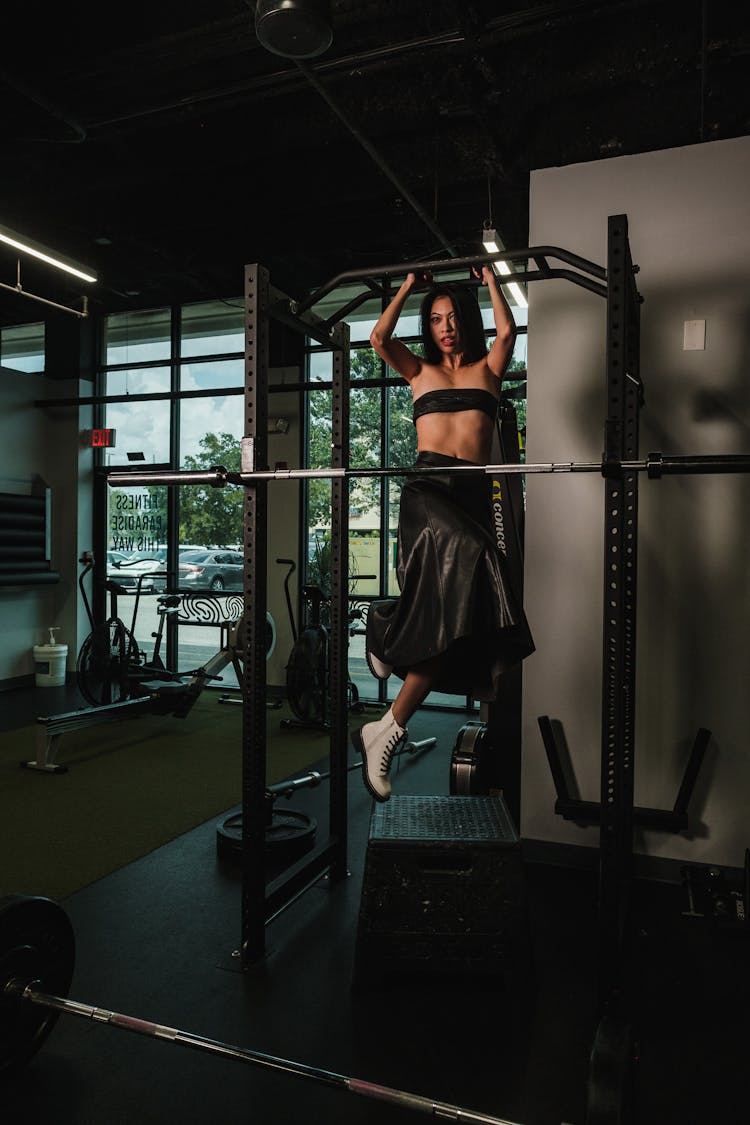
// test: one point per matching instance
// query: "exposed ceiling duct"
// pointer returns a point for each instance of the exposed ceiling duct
(416, 123)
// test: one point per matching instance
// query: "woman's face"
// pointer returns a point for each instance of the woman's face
(443, 325)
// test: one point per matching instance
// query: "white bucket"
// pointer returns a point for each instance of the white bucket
(49, 663)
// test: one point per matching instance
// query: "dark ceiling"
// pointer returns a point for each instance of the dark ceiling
(164, 146)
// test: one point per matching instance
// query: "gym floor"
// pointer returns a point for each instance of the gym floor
(157, 940)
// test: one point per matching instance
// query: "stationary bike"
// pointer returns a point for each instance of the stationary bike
(111, 668)
(307, 671)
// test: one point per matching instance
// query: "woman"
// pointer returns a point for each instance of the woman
(456, 625)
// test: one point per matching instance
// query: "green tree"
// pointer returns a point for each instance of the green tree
(365, 451)
(515, 384)
(212, 516)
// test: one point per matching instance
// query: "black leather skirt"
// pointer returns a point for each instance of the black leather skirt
(456, 597)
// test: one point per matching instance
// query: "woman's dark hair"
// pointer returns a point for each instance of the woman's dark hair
(468, 320)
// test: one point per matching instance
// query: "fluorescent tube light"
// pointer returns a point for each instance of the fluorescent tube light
(493, 245)
(44, 254)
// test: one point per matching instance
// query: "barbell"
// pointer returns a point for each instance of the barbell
(655, 464)
(37, 954)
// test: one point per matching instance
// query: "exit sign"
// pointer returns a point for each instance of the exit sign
(103, 439)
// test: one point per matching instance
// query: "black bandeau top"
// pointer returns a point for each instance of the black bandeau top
(455, 399)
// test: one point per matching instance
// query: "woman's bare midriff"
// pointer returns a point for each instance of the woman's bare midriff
(466, 434)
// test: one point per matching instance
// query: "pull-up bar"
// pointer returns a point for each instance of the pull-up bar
(538, 254)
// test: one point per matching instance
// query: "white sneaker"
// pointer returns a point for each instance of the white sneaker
(377, 743)
(378, 667)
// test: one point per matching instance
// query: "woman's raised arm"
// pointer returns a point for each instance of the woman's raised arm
(395, 354)
(501, 349)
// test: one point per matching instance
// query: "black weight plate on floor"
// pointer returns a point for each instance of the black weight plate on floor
(289, 830)
(37, 943)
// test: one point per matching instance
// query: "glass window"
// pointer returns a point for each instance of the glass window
(401, 451)
(360, 320)
(137, 337)
(136, 382)
(211, 433)
(22, 348)
(212, 328)
(520, 313)
(137, 527)
(365, 421)
(319, 405)
(402, 436)
(142, 426)
(364, 574)
(320, 366)
(206, 375)
(364, 536)
(365, 452)
(211, 427)
(136, 556)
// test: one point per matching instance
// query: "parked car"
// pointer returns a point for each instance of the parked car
(154, 560)
(125, 570)
(210, 570)
(157, 555)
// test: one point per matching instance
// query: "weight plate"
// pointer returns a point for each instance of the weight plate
(288, 829)
(469, 761)
(36, 944)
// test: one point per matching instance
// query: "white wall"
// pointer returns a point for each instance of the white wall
(688, 212)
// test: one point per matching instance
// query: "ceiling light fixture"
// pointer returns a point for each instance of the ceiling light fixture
(493, 244)
(294, 29)
(44, 254)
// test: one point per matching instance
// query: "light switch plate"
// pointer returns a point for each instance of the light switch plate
(694, 338)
